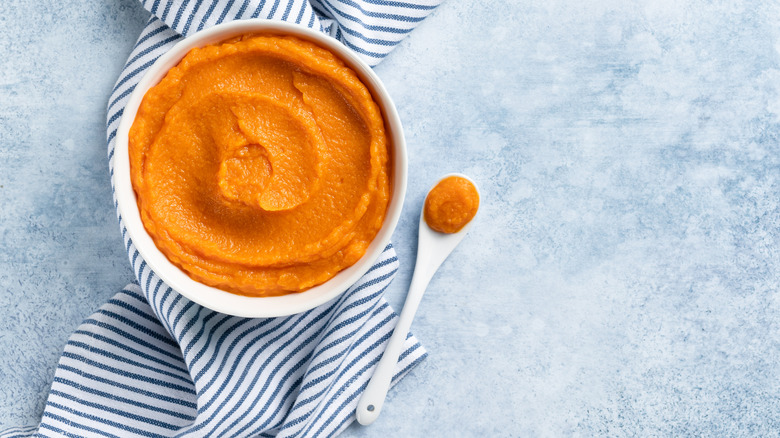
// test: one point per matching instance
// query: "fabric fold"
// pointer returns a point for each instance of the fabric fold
(122, 372)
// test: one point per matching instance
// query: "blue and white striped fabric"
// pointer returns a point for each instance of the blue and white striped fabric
(152, 363)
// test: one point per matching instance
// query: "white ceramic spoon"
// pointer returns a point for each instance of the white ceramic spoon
(433, 248)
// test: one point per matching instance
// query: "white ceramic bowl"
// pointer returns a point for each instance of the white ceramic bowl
(218, 299)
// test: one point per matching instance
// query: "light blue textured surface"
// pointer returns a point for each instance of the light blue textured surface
(623, 274)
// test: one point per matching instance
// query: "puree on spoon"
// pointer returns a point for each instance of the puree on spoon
(260, 165)
(451, 204)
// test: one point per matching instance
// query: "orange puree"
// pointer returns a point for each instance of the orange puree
(451, 204)
(260, 165)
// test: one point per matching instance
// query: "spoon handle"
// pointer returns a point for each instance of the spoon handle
(373, 398)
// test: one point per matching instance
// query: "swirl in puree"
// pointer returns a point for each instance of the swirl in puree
(260, 165)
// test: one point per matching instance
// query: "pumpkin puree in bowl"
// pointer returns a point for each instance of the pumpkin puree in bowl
(260, 165)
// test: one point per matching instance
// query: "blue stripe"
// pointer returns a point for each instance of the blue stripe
(114, 397)
(135, 310)
(411, 350)
(130, 337)
(135, 389)
(280, 404)
(225, 11)
(72, 423)
(270, 377)
(22, 434)
(170, 310)
(191, 17)
(139, 328)
(154, 7)
(108, 354)
(358, 49)
(250, 344)
(365, 336)
(288, 10)
(410, 366)
(279, 409)
(10, 433)
(394, 379)
(195, 318)
(273, 9)
(166, 320)
(117, 99)
(348, 399)
(382, 263)
(316, 396)
(241, 10)
(153, 47)
(215, 350)
(369, 283)
(135, 254)
(51, 428)
(20, 429)
(383, 15)
(202, 324)
(259, 8)
(300, 13)
(104, 421)
(414, 363)
(150, 33)
(127, 77)
(364, 25)
(141, 270)
(362, 37)
(343, 371)
(166, 10)
(161, 307)
(116, 115)
(400, 4)
(138, 297)
(357, 287)
(154, 293)
(208, 14)
(179, 13)
(340, 325)
(352, 363)
(371, 331)
(146, 290)
(124, 373)
(358, 302)
(140, 54)
(237, 360)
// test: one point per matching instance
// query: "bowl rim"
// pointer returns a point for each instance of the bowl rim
(217, 299)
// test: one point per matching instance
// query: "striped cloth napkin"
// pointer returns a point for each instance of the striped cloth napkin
(152, 363)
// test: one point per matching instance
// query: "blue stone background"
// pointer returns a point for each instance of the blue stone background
(622, 277)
